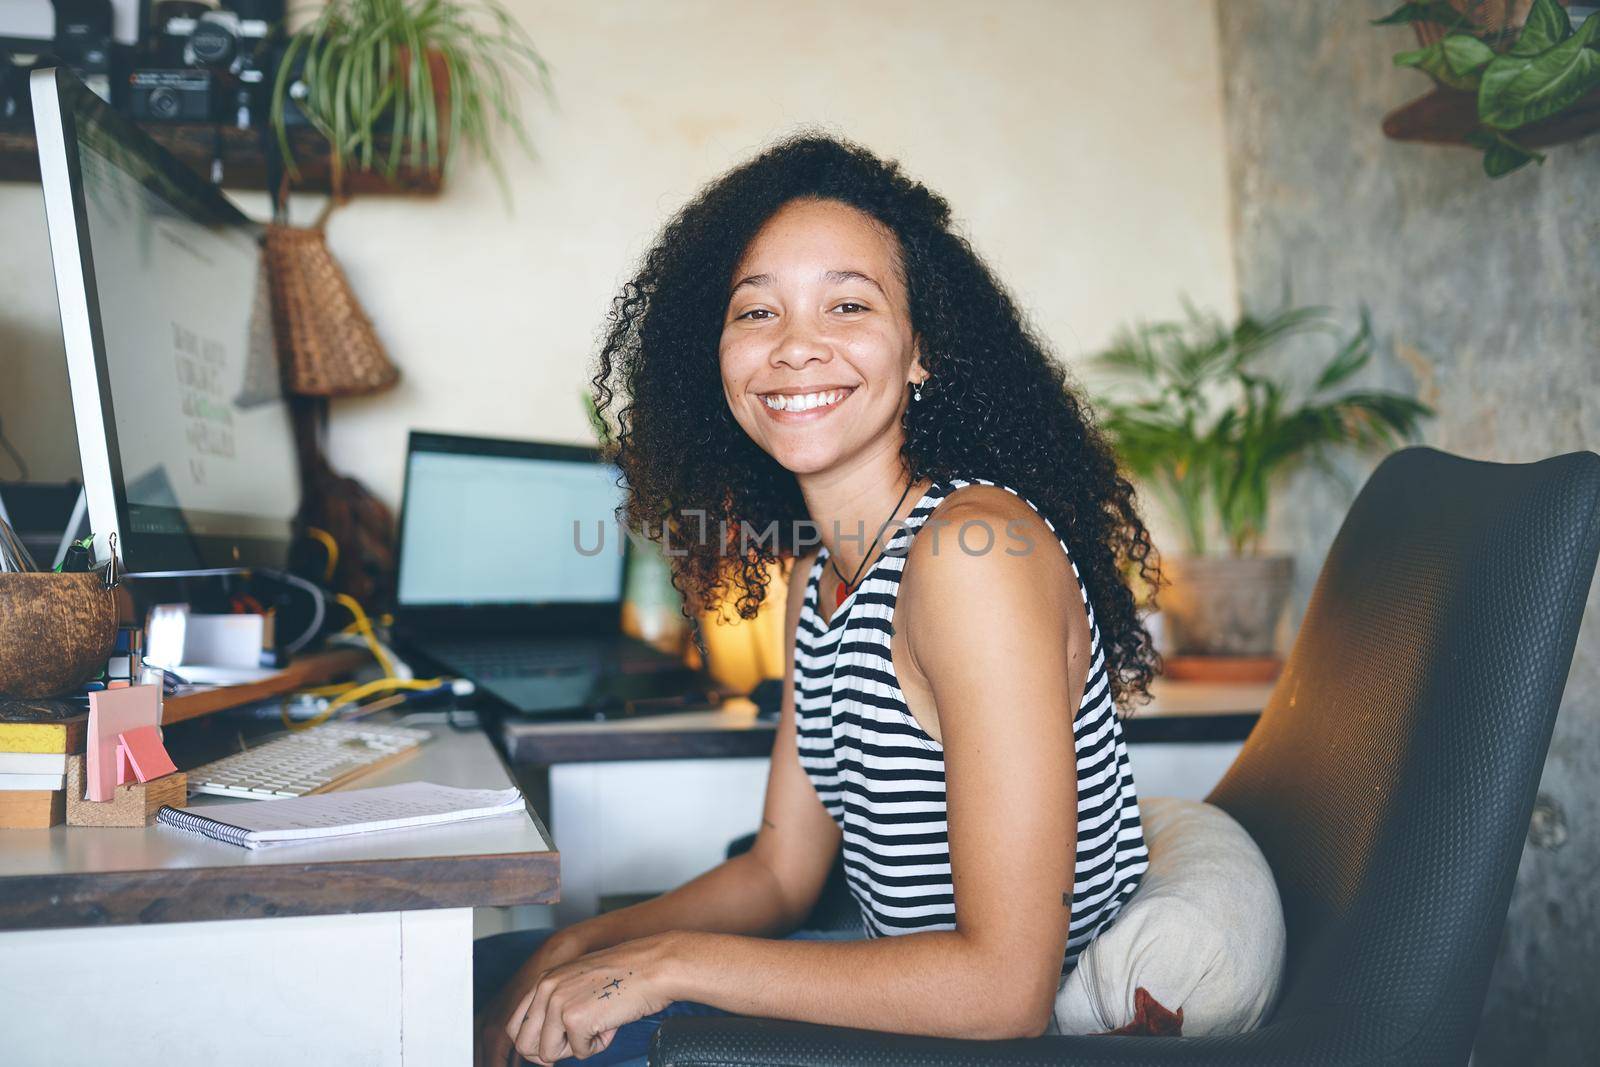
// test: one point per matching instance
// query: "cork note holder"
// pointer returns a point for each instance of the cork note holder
(134, 804)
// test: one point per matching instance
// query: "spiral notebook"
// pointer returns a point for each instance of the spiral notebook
(255, 823)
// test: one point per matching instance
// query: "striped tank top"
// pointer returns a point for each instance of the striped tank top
(881, 776)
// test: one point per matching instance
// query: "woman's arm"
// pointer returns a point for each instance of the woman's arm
(1003, 642)
(767, 890)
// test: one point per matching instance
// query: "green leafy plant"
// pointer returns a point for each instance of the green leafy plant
(1192, 415)
(1543, 70)
(375, 66)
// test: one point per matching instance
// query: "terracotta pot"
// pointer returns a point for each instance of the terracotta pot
(1487, 18)
(347, 177)
(56, 632)
(1225, 605)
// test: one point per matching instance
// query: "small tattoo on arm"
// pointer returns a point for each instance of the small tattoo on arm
(615, 983)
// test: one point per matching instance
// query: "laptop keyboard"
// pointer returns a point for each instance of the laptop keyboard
(521, 658)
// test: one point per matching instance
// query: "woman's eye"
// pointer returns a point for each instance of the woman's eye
(850, 307)
(753, 313)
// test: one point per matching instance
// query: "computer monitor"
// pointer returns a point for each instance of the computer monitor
(184, 437)
(499, 534)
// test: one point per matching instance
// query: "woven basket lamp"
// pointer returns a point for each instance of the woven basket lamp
(326, 341)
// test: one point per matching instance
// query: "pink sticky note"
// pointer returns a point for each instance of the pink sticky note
(112, 712)
(125, 770)
(142, 750)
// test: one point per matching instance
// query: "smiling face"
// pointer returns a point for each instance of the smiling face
(817, 346)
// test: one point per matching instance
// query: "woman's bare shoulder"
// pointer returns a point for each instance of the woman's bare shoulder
(996, 560)
(985, 532)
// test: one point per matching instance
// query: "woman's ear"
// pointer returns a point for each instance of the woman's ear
(917, 373)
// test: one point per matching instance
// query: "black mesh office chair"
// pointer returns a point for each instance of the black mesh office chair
(1389, 781)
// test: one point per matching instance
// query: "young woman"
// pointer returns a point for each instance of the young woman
(808, 357)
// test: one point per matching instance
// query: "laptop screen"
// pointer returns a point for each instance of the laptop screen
(483, 528)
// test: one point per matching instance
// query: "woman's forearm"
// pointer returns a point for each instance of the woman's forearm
(937, 983)
(738, 896)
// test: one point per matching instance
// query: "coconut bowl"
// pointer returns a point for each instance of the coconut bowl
(56, 631)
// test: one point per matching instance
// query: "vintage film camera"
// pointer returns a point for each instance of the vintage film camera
(209, 64)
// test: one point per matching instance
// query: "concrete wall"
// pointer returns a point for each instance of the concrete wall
(1092, 177)
(1486, 298)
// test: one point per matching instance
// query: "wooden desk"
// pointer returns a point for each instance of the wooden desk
(1178, 711)
(311, 669)
(154, 945)
(640, 805)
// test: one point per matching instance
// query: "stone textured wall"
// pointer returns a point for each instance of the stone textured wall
(1486, 300)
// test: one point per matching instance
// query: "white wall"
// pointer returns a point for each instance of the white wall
(1080, 143)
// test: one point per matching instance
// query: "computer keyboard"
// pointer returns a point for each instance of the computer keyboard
(512, 659)
(313, 760)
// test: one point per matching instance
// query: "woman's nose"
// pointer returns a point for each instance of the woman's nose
(800, 345)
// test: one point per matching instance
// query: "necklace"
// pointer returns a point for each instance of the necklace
(846, 587)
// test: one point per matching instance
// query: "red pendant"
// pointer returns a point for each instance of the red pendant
(840, 595)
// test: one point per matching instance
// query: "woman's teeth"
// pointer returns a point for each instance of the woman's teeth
(804, 401)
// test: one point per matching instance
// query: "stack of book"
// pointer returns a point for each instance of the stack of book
(36, 737)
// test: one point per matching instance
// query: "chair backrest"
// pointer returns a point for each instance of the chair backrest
(1392, 775)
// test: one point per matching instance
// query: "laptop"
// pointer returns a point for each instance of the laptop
(511, 569)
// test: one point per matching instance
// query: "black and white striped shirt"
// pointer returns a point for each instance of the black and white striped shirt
(881, 776)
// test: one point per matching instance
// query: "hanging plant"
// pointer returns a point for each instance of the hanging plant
(1519, 76)
(435, 76)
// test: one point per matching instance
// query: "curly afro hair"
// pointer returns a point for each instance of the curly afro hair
(999, 405)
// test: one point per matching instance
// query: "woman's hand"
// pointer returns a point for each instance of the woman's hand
(490, 1028)
(575, 1009)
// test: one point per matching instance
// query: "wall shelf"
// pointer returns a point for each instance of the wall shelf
(244, 163)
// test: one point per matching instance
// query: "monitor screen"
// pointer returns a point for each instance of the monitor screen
(179, 368)
(481, 529)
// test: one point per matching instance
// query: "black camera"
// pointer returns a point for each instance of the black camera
(209, 64)
(176, 95)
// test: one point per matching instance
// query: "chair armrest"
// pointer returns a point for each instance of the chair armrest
(742, 1042)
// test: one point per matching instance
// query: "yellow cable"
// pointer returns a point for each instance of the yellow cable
(326, 690)
(364, 628)
(350, 692)
(364, 690)
(351, 627)
(329, 545)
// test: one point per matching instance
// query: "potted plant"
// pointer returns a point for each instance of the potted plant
(429, 76)
(1511, 75)
(1195, 416)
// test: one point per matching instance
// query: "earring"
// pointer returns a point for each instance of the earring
(916, 391)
